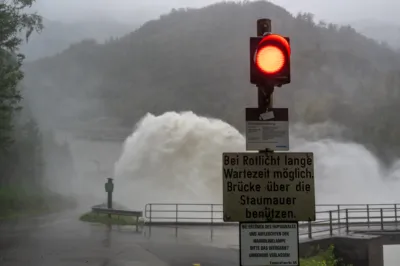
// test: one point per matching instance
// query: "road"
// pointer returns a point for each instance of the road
(63, 240)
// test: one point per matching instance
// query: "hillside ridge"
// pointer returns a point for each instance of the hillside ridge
(197, 59)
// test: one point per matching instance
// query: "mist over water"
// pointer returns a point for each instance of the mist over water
(176, 158)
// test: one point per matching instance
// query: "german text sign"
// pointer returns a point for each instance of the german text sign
(268, 187)
(267, 130)
(267, 244)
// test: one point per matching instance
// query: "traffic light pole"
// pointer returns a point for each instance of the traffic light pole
(265, 100)
(269, 68)
(265, 91)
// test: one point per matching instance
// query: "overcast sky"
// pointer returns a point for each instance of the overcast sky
(126, 10)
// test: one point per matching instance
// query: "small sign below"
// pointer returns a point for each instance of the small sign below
(267, 130)
(267, 244)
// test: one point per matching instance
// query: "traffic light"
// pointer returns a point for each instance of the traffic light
(270, 60)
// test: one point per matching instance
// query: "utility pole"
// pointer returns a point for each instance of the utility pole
(265, 91)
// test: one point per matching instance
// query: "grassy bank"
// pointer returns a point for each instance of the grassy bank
(101, 218)
(24, 201)
(323, 258)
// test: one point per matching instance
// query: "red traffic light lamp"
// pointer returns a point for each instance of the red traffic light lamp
(270, 60)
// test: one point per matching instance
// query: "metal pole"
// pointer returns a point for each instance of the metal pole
(109, 202)
(176, 213)
(368, 214)
(347, 221)
(150, 212)
(150, 219)
(309, 230)
(263, 26)
(381, 219)
(212, 214)
(395, 213)
(265, 91)
(109, 195)
(330, 223)
(265, 99)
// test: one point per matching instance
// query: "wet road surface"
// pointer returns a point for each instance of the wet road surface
(62, 240)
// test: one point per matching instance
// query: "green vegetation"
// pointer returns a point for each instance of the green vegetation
(12, 22)
(19, 202)
(16, 202)
(92, 217)
(20, 143)
(323, 258)
(24, 147)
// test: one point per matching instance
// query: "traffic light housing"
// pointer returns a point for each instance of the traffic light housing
(270, 60)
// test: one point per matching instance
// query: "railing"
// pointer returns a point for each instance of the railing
(331, 219)
(102, 208)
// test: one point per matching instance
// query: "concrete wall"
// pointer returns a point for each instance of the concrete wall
(358, 250)
(387, 237)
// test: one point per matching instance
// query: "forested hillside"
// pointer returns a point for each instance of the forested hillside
(57, 36)
(198, 60)
(378, 30)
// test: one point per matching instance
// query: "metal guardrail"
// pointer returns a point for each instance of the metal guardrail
(102, 209)
(331, 219)
(117, 212)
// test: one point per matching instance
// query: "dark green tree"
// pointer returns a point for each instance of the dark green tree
(13, 22)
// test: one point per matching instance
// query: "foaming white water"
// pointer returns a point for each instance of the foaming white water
(349, 173)
(176, 157)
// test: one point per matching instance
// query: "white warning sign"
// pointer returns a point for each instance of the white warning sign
(265, 244)
(274, 187)
(267, 130)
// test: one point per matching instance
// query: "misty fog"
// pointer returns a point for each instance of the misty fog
(68, 22)
(130, 10)
(77, 101)
(151, 93)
